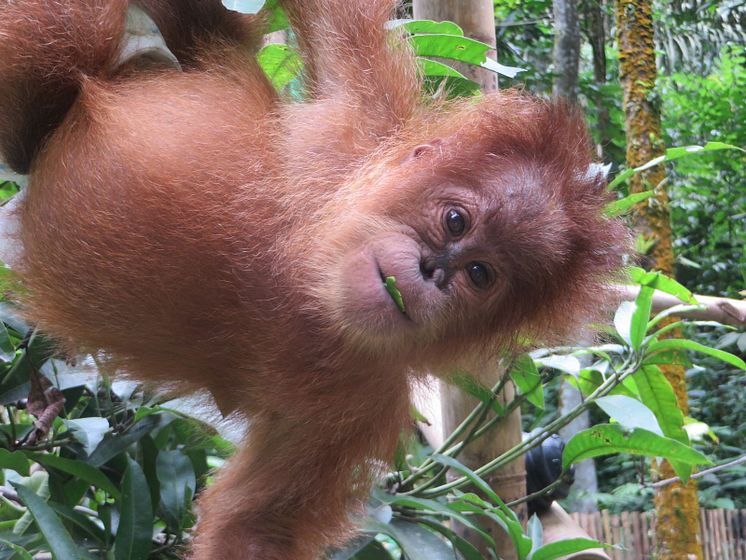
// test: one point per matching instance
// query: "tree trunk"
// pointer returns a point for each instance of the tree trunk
(676, 505)
(476, 18)
(595, 30)
(566, 49)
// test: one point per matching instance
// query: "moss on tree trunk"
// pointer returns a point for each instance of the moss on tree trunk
(677, 506)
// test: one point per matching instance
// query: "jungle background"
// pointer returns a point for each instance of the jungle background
(94, 468)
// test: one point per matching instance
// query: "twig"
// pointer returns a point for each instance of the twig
(700, 474)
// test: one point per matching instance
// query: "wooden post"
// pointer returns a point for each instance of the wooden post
(477, 19)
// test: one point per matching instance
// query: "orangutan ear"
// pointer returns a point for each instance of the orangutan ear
(423, 149)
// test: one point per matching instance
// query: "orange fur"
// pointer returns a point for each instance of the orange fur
(204, 235)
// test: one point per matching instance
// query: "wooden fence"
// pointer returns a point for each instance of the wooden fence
(723, 533)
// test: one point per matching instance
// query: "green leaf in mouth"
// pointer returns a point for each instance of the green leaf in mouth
(395, 293)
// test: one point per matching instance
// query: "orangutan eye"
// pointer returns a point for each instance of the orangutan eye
(479, 274)
(455, 222)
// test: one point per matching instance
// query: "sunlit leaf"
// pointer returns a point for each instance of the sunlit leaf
(608, 439)
(629, 412)
(683, 344)
(528, 380)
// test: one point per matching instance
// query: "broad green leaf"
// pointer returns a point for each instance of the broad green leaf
(684, 344)
(674, 310)
(83, 522)
(423, 504)
(512, 525)
(567, 364)
(88, 431)
(586, 382)
(661, 282)
(6, 344)
(134, 536)
(79, 469)
(58, 539)
(467, 550)
(630, 413)
(352, 548)
(565, 547)
(623, 205)
(462, 49)
(435, 68)
(15, 552)
(672, 154)
(426, 26)
(419, 543)
(112, 446)
(471, 386)
(623, 320)
(244, 6)
(608, 439)
(658, 396)
(177, 483)
(15, 461)
(528, 380)
(641, 316)
(280, 63)
(535, 532)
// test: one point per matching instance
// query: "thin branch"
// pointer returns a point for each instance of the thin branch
(700, 474)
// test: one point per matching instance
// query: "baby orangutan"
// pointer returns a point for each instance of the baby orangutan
(203, 234)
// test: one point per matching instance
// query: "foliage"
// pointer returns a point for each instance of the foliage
(623, 381)
(111, 471)
(112, 475)
(708, 199)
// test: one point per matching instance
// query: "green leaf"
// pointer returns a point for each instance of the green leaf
(280, 63)
(88, 431)
(535, 532)
(15, 552)
(56, 536)
(608, 439)
(672, 154)
(641, 316)
(462, 49)
(471, 386)
(630, 413)
(508, 517)
(419, 543)
(177, 483)
(526, 377)
(467, 550)
(79, 469)
(395, 293)
(113, 445)
(83, 522)
(244, 6)
(15, 461)
(426, 26)
(658, 396)
(134, 536)
(435, 68)
(426, 505)
(683, 344)
(560, 549)
(623, 320)
(661, 282)
(623, 205)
